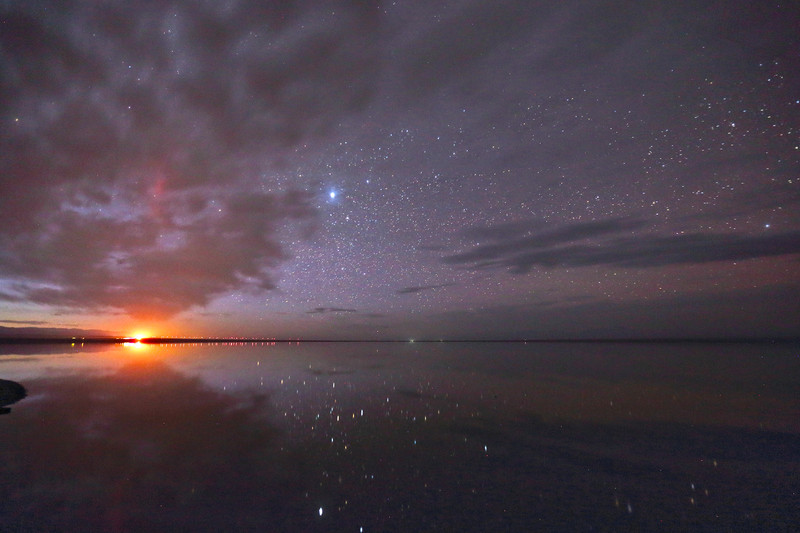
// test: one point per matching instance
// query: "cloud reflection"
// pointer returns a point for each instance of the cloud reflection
(143, 446)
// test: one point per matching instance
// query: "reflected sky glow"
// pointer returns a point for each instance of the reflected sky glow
(136, 347)
(468, 437)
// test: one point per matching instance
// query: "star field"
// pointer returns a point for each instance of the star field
(401, 169)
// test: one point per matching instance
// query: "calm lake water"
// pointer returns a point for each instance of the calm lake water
(402, 437)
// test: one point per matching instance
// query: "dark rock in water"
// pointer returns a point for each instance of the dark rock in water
(10, 392)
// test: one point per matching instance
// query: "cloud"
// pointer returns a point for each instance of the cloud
(414, 290)
(137, 141)
(48, 332)
(176, 254)
(612, 243)
(324, 310)
(25, 322)
(458, 44)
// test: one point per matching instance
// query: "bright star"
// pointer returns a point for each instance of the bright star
(332, 195)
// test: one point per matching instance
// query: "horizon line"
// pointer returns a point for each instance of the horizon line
(255, 340)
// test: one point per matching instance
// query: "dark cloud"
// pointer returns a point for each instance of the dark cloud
(324, 310)
(48, 332)
(170, 257)
(458, 44)
(414, 290)
(26, 322)
(135, 139)
(199, 79)
(613, 245)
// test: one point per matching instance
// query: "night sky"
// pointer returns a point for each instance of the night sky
(393, 170)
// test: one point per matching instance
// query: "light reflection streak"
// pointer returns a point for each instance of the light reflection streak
(136, 346)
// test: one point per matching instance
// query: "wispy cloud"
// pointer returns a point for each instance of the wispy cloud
(25, 322)
(324, 310)
(421, 288)
(610, 242)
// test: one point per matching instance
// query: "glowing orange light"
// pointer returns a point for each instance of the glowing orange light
(139, 335)
(136, 345)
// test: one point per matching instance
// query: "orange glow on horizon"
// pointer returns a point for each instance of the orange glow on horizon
(137, 346)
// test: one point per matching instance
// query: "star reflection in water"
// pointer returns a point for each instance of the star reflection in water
(388, 437)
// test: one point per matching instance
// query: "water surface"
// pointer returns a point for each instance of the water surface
(402, 437)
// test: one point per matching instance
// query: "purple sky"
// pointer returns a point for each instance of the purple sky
(423, 169)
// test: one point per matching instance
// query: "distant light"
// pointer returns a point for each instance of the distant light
(332, 195)
(320, 509)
